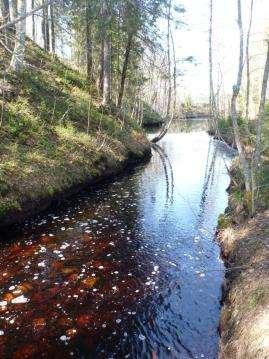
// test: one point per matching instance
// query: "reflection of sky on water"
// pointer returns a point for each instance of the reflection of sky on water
(184, 229)
(127, 271)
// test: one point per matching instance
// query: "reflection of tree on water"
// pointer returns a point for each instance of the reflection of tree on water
(213, 165)
(168, 170)
(209, 171)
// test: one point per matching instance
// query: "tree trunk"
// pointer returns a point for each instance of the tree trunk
(5, 11)
(18, 53)
(52, 29)
(45, 27)
(174, 75)
(33, 22)
(259, 119)
(248, 61)
(89, 60)
(212, 101)
(168, 109)
(256, 160)
(169, 118)
(124, 68)
(106, 55)
(236, 89)
(13, 10)
(100, 77)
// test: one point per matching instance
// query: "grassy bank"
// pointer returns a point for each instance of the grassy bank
(244, 241)
(245, 315)
(54, 136)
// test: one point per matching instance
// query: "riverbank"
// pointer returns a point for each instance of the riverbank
(55, 138)
(244, 324)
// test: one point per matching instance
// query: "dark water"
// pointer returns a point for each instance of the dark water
(131, 271)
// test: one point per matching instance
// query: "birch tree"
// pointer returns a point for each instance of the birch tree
(5, 12)
(18, 53)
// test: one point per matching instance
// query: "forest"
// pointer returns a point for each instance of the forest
(124, 190)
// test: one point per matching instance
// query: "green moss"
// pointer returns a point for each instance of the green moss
(224, 221)
(256, 297)
(9, 206)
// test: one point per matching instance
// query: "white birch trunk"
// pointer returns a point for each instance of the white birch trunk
(18, 53)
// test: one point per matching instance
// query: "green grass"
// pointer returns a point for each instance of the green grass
(54, 133)
(224, 221)
(256, 297)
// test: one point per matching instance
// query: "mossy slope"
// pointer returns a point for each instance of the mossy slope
(54, 136)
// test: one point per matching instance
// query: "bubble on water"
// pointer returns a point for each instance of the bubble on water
(141, 337)
(20, 300)
(118, 321)
(64, 338)
(41, 264)
(2, 332)
(3, 303)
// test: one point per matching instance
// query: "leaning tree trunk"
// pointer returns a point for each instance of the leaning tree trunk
(18, 53)
(236, 89)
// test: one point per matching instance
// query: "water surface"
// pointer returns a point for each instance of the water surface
(130, 270)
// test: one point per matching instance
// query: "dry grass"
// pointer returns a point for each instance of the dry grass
(245, 314)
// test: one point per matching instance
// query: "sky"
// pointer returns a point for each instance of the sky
(192, 40)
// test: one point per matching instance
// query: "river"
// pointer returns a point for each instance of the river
(128, 270)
